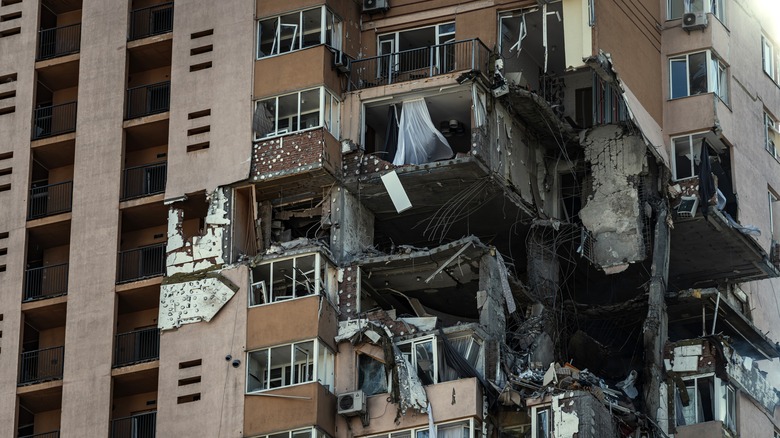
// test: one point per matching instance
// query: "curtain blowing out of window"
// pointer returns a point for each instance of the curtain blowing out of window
(419, 141)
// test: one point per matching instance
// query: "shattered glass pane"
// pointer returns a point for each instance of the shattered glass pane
(697, 69)
(425, 362)
(257, 369)
(267, 37)
(372, 378)
(305, 276)
(304, 362)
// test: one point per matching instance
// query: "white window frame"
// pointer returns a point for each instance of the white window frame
(296, 433)
(534, 420)
(769, 58)
(771, 134)
(322, 285)
(412, 356)
(720, 398)
(422, 432)
(772, 199)
(325, 12)
(333, 124)
(441, 37)
(717, 75)
(691, 142)
(323, 373)
(715, 7)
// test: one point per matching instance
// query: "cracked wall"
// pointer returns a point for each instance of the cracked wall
(579, 414)
(189, 254)
(612, 212)
(193, 301)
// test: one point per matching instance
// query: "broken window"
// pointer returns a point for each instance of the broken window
(299, 111)
(423, 354)
(686, 151)
(298, 30)
(291, 364)
(290, 278)
(709, 399)
(470, 348)
(372, 378)
(771, 134)
(309, 432)
(540, 422)
(698, 73)
(458, 429)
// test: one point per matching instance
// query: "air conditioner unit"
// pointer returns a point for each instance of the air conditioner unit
(352, 403)
(341, 61)
(694, 21)
(688, 206)
(371, 6)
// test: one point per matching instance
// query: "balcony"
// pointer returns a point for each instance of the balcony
(50, 199)
(137, 264)
(54, 120)
(136, 347)
(59, 41)
(145, 180)
(153, 20)
(41, 365)
(146, 100)
(135, 426)
(54, 434)
(46, 282)
(419, 63)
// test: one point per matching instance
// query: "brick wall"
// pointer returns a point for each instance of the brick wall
(289, 154)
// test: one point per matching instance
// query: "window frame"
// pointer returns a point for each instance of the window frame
(772, 198)
(324, 93)
(769, 58)
(771, 124)
(320, 348)
(422, 432)
(717, 75)
(535, 421)
(314, 433)
(335, 34)
(699, 136)
(322, 286)
(719, 399)
(412, 357)
(719, 11)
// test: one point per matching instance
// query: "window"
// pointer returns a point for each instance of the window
(372, 377)
(768, 57)
(298, 30)
(697, 73)
(297, 111)
(291, 364)
(291, 278)
(541, 422)
(423, 354)
(408, 50)
(676, 8)
(686, 151)
(309, 432)
(709, 399)
(468, 346)
(774, 214)
(459, 429)
(771, 134)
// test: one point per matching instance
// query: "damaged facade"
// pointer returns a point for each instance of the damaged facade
(541, 219)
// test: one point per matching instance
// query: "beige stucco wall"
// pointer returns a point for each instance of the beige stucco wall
(86, 395)
(271, 324)
(18, 56)
(219, 412)
(295, 71)
(225, 88)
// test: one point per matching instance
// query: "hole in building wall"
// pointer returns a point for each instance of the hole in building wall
(195, 209)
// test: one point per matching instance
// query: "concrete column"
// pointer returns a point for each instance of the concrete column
(86, 398)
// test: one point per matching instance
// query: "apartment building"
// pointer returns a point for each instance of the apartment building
(387, 218)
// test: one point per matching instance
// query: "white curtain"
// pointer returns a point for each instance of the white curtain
(418, 139)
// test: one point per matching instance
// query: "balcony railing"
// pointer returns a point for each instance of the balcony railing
(46, 282)
(153, 20)
(41, 365)
(54, 120)
(136, 347)
(54, 434)
(145, 180)
(135, 426)
(50, 199)
(148, 99)
(59, 41)
(140, 263)
(419, 63)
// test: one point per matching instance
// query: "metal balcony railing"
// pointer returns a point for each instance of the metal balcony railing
(46, 282)
(50, 199)
(145, 180)
(140, 263)
(153, 20)
(136, 347)
(59, 41)
(41, 365)
(420, 63)
(54, 434)
(54, 120)
(148, 99)
(135, 426)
